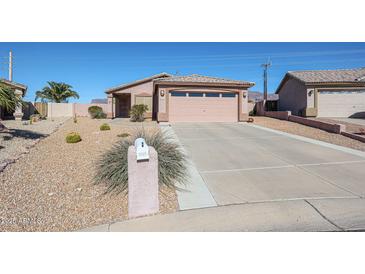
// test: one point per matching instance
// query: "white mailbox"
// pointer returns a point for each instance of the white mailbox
(141, 149)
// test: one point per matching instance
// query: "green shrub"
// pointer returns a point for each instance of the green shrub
(112, 167)
(96, 112)
(73, 137)
(124, 135)
(137, 113)
(104, 127)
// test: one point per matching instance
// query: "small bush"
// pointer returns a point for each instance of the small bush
(104, 127)
(35, 118)
(124, 135)
(96, 112)
(73, 137)
(112, 167)
(137, 113)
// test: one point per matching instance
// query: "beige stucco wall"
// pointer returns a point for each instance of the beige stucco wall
(293, 97)
(145, 89)
(60, 110)
(83, 109)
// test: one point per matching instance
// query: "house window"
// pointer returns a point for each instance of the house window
(212, 94)
(231, 95)
(145, 100)
(196, 94)
(178, 94)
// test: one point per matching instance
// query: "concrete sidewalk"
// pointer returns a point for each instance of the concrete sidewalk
(330, 214)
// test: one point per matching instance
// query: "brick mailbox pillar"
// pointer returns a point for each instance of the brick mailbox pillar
(142, 184)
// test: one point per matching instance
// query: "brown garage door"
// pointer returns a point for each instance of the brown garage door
(203, 107)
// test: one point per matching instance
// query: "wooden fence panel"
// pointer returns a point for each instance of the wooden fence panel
(42, 108)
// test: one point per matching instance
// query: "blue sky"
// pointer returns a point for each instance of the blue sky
(93, 67)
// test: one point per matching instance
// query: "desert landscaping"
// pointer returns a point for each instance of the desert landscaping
(50, 187)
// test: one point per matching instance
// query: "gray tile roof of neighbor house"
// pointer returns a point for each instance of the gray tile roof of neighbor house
(127, 85)
(99, 101)
(196, 78)
(354, 76)
(328, 76)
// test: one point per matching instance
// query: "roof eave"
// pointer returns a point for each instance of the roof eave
(138, 82)
(182, 83)
(22, 87)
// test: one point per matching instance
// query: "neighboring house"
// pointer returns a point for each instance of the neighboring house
(99, 101)
(323, 93)
(192, 98)
(257, 96)
(19, 90)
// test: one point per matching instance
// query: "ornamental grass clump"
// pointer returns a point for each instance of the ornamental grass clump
(137, 113)
(112, 167)
(73, 137)
(104, 127)
(96, 112)
(124, 135)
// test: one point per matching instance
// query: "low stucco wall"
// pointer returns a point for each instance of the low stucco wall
(282, 115)
(71, 109)
(357, 137)
(82, 109)
(335, 128)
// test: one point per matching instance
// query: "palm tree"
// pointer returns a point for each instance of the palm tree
(56, 93)
(8, 99)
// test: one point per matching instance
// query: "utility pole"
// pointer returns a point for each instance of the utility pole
(10, 66)
(266, 67)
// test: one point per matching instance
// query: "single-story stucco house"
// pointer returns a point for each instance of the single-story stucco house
(19, 90)
(323, 93)
(192, 98)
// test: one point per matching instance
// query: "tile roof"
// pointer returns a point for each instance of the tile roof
(329, 76)
(196, 78)
(13, 84)
(160, 75)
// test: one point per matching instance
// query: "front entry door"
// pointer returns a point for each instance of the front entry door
(124, 105)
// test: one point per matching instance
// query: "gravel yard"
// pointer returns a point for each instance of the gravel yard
(51, 188)
(309, 132)
(19, 137)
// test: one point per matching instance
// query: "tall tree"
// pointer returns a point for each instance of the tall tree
(56, 92)
(8, 100)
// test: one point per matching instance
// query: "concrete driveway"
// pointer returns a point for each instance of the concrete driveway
(249, 178)
(356, 121)
(241, 163)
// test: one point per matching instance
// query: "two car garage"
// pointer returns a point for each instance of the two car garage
(341, 103)
(203, 107)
